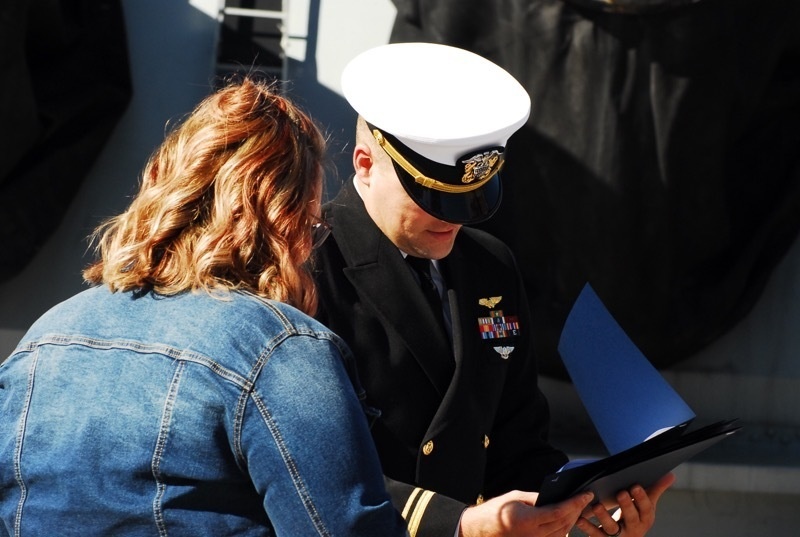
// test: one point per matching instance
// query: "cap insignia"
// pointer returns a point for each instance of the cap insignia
(481, 166)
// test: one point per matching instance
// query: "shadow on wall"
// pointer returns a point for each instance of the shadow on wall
(249, 45)
(170, 63)
(69, 65)
(170, 58)
(331, 110)
(336, 118)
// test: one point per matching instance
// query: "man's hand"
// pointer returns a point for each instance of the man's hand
(514, 514)
(638, 508)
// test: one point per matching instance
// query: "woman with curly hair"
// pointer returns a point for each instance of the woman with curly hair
(188, 392)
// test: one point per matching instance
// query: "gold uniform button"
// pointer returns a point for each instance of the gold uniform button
(427, 449)
(485, 441)
(479, 500)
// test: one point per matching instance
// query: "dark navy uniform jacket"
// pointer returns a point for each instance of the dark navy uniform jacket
(458, 424)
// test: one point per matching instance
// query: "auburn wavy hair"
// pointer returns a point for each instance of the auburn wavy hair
(226, 202)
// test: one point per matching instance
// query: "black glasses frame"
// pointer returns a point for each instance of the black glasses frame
(319, 233)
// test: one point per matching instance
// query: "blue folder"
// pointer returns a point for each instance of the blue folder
(627, 399)
(641, 419)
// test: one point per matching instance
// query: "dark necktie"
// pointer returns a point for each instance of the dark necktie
(423, 269)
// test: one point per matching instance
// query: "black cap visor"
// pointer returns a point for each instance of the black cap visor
(470, 207)
(444, 191)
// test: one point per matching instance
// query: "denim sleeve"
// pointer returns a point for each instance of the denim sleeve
(305, 442)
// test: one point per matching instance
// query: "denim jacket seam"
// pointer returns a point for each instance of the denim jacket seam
(20, 439)
(247, 391)
(143, 348)
(158, 452)
(294, 473)
(288, 326)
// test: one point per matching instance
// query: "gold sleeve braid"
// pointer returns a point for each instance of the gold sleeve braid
(415, 509)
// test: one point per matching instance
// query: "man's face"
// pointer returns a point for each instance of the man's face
(409, 227)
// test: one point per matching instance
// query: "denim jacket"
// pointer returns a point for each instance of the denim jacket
(125, 414)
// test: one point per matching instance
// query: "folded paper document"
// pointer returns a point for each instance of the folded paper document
(643, 422)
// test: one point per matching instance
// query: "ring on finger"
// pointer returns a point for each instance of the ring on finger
(619, 530)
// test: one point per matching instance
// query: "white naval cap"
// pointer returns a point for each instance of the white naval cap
(444, 115)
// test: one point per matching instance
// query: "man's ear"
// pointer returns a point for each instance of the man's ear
(363, 163)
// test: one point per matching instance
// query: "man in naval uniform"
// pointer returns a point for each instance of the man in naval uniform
(436, 313)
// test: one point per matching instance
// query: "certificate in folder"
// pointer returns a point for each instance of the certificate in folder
(643, 422)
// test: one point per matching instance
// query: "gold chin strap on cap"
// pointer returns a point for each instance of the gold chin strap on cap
(478, 170)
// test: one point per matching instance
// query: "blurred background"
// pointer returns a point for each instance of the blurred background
(660, 164)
